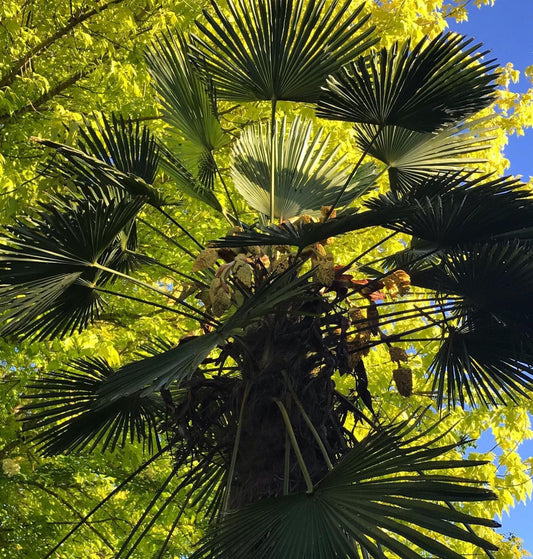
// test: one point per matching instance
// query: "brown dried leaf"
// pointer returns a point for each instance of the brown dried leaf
(325, 271)
(205, 259)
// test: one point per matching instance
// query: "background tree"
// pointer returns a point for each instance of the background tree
(84, 341)
(101, 44)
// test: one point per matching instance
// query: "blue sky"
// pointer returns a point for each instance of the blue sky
(506, 29)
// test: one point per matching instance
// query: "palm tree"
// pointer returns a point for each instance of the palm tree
(280, 459)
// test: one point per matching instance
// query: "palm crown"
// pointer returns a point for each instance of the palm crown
(256, 397)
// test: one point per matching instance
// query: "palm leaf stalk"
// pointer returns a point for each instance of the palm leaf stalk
(266, 406)
(273, 126)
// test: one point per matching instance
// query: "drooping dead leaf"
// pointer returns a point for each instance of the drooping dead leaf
(403, 378)
(398, 354)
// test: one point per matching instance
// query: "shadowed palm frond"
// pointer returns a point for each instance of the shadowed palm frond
(52, 307)
(488, 363)
(152, 373)
(487, 354)
(66, 409)
(101, 180)
(127, 146)
(186, 182)
(305, 180)
(450, 210)
(413, 157)
(423, 88)
(378, 497)
(48, 265)
(303, 233)
(495, 278)
(281, 49)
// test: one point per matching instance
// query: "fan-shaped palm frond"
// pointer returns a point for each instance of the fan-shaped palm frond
(412, 157)
(51, 307)
(90, 173)
(495, 278)
(304, 179)
(281, 49)
(483, 362)
(68, 400)
(152, 373)
(189, 104)
(127, 146)
(186, 182)
(49, 265)
(424, 88)
(449, 210)
(379, 496)
(487, 353)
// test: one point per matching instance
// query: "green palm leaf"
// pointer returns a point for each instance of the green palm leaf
(412, 157)
(487, 356)
(189, 104)
(280, 49)
(190, 107)
(67, 399)
(422, 89)
(305, 179)
(51, 307)
(152, 373)
(488, 363)
(187, 182)
(449, 210)
(495, 278)
(128, 147)
(379, 496)
(47, 265)
(99, 176)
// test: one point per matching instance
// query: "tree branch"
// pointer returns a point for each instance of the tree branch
(45, 97)
(67, 504)
(7, 79)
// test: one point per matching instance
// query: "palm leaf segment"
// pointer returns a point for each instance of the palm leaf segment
(302, 233)
(122, 144)
(279, 50)
(49, 264)
(70, 397)
(190, 107)
(451, 210)
(415, 157)
(103, 172)
(372, 500)
(188, 103)
(305, 179)
(422, 89)
(489, 356)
